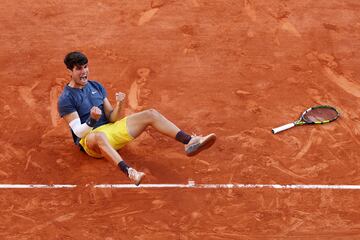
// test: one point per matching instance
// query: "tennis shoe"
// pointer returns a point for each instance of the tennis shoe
(199, 143)
(135, 176)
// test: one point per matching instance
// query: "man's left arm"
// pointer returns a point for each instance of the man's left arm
(114, 114)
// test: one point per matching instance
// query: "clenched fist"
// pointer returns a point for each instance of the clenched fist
(120, 96)
(95, 113)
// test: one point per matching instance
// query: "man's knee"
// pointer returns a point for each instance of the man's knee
(152, 114)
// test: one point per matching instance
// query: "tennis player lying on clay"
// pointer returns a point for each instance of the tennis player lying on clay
(99, 129)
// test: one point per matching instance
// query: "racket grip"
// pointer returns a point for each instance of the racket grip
(282, 128)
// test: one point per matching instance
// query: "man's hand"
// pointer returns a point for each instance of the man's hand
(95, 113)
(120, 96)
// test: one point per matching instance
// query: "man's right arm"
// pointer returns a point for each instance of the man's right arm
(81, 130)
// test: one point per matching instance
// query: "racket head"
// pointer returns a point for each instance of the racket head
(319, 115)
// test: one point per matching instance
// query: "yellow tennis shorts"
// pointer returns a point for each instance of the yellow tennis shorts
(116, 133)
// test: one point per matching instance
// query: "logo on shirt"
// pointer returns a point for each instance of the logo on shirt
(93, 92)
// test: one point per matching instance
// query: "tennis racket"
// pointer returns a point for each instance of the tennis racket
(315, 115)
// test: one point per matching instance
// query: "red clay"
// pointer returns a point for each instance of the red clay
(236, 68)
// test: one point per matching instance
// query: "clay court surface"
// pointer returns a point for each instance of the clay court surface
(235, 68)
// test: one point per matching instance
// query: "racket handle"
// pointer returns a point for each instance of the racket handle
(282, 128)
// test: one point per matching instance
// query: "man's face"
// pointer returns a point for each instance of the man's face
(79, 75)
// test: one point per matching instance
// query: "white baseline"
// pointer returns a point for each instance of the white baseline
(191, 184)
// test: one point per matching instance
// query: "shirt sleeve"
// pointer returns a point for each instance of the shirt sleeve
(101, 89)
(65, 106)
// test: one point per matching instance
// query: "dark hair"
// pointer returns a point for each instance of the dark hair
(75, 59)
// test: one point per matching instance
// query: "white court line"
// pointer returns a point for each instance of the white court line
(230, 186)
(191, 184)
(37, 186)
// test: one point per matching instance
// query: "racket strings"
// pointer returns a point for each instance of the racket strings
(320, 115)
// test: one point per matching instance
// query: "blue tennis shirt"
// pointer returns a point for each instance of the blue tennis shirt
(81, 101)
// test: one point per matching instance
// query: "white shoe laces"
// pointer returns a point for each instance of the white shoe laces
(194, 137)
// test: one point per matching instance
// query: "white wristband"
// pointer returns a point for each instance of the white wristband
(80, 130)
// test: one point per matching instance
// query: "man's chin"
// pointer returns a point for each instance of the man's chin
(83, 82)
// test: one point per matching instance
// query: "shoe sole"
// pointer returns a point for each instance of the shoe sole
(204, 145)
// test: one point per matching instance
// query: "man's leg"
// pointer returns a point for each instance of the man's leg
(98, 142)
(136, 124)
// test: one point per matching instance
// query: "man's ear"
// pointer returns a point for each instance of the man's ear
(69, 72)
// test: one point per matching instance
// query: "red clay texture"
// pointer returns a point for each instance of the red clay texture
(235, 68)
